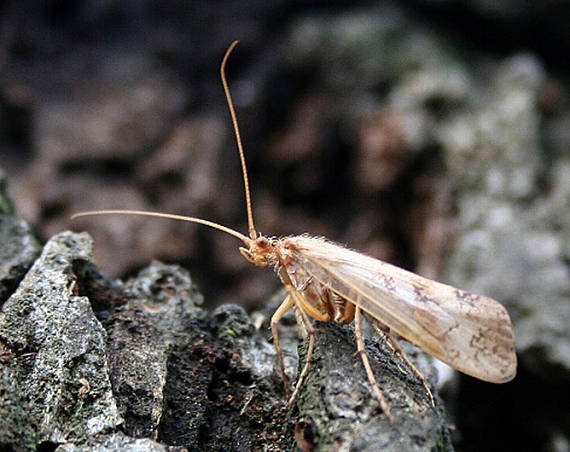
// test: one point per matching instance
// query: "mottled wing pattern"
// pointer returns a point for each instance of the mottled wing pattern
(471, 333)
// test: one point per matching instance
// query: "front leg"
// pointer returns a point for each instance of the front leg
(292, 300)
(283, 308)
(296, 299)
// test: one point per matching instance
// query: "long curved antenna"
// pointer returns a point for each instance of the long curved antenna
(211, 224)
(250, 223)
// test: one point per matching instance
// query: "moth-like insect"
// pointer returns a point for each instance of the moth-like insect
(330, 283)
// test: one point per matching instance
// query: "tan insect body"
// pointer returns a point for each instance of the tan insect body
(328, 282)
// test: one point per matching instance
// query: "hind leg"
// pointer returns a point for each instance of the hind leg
(394, 344)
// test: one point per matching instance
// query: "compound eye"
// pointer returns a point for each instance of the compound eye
(262, 242)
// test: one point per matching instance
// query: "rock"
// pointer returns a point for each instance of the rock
(101, 365)
(160, 299)
(18, 250)
(18, 246)
(54, 355)
(6, 207)
(490, 143)
(119, 442)
(338, 410)
(513, 232)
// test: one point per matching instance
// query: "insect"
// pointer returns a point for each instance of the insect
(330, 283)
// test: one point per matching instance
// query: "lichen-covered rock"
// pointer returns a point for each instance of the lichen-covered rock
(18, 246)
(54, 355)
(119, 442)
(338, 410)
(161, 299)
(6, 207)
(514, 233)
(99, 365)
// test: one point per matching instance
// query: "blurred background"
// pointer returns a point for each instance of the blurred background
(431, 134)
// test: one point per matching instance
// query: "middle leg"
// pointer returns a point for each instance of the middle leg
(361, 350)
(308, 333)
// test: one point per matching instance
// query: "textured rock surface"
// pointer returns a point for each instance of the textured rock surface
(514, 240)
(499, 215)
(89, 364)
(18, 246)
(54, 355)
(99, 365)
(339, 409)
(120, 442)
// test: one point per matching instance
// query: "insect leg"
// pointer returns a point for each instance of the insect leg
(301, 323)
(309, 332)
(395, 344)
(306, 327)
(360, 346)
(287, 304)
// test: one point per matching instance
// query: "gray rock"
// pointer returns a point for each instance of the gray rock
(498, 129)
(338, 410)
(6, 207)
(18, 246)
(18, 250)
(514, 234)
(119, 442)
(83, 356)
(54, 355)
(161, 301)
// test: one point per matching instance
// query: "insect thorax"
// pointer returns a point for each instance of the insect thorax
(317, 300)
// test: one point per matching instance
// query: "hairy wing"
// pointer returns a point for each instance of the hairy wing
(471, 333)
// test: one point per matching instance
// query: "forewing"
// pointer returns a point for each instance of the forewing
(471, 333)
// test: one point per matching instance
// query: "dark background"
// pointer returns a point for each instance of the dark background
(119, 105)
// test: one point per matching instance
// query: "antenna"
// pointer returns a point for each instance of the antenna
(252, 232)
(249, 209)
(169, 216)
